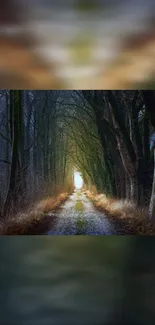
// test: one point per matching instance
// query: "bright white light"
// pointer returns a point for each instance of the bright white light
(78, 181)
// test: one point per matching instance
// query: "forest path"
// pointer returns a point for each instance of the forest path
(78, 216)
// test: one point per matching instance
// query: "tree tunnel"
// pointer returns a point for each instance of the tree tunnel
(53, 141)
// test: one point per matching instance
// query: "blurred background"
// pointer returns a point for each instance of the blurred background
(84, 280)
(74, 44)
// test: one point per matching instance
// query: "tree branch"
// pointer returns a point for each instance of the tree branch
(5, 138)
(5, 161)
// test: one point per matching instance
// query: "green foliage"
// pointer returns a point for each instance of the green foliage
(79, 206)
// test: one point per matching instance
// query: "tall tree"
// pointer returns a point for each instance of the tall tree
(16, 131)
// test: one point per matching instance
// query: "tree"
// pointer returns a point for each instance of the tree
(16, 136)
(149, 98)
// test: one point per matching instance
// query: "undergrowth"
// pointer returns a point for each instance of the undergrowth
(132, 218)
(36, 220)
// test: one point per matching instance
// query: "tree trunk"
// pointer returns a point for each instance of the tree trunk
(13, 188)
(149, 98)
(127, 162)
(107, 161)
(127, 186)
(134, 189)
(152, 201)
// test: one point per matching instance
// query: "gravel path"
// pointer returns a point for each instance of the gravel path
(78, 216)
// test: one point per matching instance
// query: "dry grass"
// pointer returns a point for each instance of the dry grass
(51, 203)
(35, 221)
(127, 215)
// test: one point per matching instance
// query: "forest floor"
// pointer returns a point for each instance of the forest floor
(78, 216)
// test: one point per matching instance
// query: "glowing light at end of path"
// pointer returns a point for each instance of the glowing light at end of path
(78, 181)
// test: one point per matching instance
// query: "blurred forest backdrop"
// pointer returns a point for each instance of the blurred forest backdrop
(96, 44)
(84, 280)
(108, 136)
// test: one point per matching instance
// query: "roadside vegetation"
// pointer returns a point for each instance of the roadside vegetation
(127, 216)
(36, 220)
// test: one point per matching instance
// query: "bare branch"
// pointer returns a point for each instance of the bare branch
(5, 161)
(5, 138)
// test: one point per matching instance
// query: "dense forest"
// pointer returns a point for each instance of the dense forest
(108, 136)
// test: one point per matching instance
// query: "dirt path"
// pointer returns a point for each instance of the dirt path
(78, 216)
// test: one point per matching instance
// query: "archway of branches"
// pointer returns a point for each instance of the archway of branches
(106, 136)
